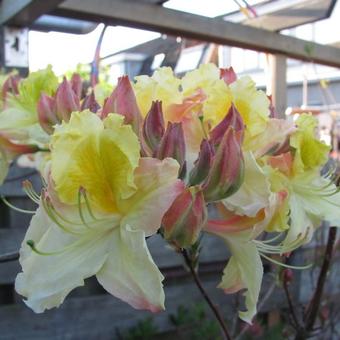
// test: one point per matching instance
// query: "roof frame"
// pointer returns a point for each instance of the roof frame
(138, 14)
(24, 12)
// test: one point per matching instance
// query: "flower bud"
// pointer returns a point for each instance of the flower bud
(67, 101)
(123, 101)
(232, 119)
(47, 113)
(11, 85)
(173, 145)
(12, 150)
(185, 218)
(272, 111)
(227, 170)
(153, 127)
(228, 75)
(202, 164)
(77, 84)
(287, 275)
(90, 103)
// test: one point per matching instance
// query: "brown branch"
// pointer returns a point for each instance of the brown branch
(205, 295)
(9, 257)
(314, 305)
(296, 322)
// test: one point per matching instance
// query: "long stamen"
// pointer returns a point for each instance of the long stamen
(88, 206)
(31, 244)
(272, 239)
(30, 192)
(31, 212)
(49, 211)
(80, 210)
(284, 264)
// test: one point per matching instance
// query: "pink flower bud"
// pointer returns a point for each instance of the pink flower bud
(232, 119)
(47, 113)
(227, 170)
(173, 145)
(228, 75)
(287, 275)
(12, 149)
(10, 86)
(123, 101)
(202, 164)
(272, 111)
(153, 127)
(77, 84)
(67, 101)
(90, 103)
(185, 218)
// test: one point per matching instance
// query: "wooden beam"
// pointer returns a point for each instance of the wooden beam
(156, 18)
(278, 86)
(24, 12)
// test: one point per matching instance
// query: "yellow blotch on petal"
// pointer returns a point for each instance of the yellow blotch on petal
(98, 156)
(163, 86)
(207, 78)
(252, 104)
(310, 152)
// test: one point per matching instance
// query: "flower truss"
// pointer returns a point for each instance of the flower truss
(179, 157)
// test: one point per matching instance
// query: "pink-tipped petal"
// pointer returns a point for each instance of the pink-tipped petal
(67, 101)
(227, 171)
(173, 145)
(232, 119)
(153, 127)
(123, 101)
(46, 108)
(186, 217)
(130, 272)
(228, 75)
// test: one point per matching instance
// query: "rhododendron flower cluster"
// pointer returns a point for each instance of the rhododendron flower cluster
(181, 157)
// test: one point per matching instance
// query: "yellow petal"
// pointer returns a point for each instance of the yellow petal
(99, 156)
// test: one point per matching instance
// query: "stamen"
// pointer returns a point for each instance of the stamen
(83, 192)
(272, 239)
(31, 212)
(50, 212)
(201, 118)
(81, 210)
(31, 244)
(286, 265)
(30, 192)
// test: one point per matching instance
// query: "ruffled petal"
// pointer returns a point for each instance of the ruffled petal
(244, 269)
(157, 187)
(46, 280)
(129, 272)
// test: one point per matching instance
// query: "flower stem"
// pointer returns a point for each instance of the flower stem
(314, 305)
(205, 295)
(9, 257)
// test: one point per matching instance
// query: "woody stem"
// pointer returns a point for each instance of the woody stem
(198, 282)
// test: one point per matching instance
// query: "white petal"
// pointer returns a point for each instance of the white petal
(129, 272)
(253, 193)
(244, 270)
(47, 279)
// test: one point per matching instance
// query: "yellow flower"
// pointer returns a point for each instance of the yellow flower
(162, 86)
(101, 202)
(217, 92)
(252, 104)
(310, 152)
(78, 149)
(20, 116)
